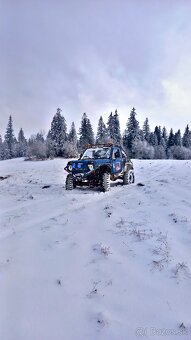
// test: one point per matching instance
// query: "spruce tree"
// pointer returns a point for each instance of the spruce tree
(101, 136)
(9, 139)
(22, 144)
(6, 151)
(1, 149)
(58, 133)
(178, 138)
(163, 143)
(186, 139)
(71, 146)
(165, 134)
(86, 133)
(132, 131)
(171, 139)
(146, 130)
(116, 128)
(50, 147)
(72, 136)
(158, 134)
(110, 127)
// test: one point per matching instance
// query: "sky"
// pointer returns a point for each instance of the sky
(94, 56)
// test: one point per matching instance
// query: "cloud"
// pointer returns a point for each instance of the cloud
(94, 57)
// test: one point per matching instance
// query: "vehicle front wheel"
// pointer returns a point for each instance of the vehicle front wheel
(128, 177)
(105, 182)
(69, 182)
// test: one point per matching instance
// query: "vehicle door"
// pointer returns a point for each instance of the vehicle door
(124, 160)
(117, 160)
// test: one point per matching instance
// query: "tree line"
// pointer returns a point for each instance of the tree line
(138, 142)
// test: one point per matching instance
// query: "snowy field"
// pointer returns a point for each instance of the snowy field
(84, 265)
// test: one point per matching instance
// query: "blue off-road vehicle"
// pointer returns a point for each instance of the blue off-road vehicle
(99, 165)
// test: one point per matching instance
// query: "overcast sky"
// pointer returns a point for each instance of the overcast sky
(94, 56)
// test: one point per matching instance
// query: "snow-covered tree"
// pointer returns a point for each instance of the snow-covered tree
(101, 136)
(86, 133)
(10, 139)
(50, 148)
(1, 149)
(70, 151)
(160, 152)
(58, 133)
(165, 134)
(146, 130)
(171, 139)
(178, 138)
(179, 152)
(158, 134)
(21, 145)
(153, 139)
(116, 128)
(163, 143)
(6, 151)
(110, 127)
(72, 136)
(71, 146)
(186, 139)
(37, 147)
(132, 131)
(142, 149)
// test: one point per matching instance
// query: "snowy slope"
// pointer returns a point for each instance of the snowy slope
(87, 265)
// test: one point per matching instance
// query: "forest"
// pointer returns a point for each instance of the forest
(139, 142)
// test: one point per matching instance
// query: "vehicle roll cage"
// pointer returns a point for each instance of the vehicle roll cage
(101, 145)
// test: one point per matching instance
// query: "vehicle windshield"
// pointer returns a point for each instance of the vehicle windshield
(97, 153)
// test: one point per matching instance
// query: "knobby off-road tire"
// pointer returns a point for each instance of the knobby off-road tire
(128, 177)
(69, 182)
(105, 182)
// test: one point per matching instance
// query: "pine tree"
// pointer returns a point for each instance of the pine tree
(71, 146)
(186, 139)
(50, 147)
(101, 136)
(1, 149)
(10, 139)
(171, 139)
(22, 144)
(153, 139)
(132, 131)
(158, 134)
(6, 151)
(110, 127)
(86, 133)
(146, 130)
(163, 143)
(58, 133)
(116, 128)
(165, 134)
(178, 138)
(72, 136)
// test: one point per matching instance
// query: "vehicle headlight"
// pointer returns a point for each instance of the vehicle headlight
(70, 167)
(91, 167)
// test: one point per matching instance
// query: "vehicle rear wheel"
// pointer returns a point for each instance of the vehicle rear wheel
(105, 182)
(128, 177)
(69, 182)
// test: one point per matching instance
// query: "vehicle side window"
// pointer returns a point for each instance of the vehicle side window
(116, 153)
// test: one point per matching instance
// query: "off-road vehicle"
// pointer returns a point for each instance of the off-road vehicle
(99, 165)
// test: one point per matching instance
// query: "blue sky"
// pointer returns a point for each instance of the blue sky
(95, 56)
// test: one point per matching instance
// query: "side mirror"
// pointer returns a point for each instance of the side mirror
(81, 155)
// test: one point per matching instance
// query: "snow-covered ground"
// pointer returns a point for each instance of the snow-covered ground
(87, 265)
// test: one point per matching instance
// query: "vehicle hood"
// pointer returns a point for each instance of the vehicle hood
(81, 165)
